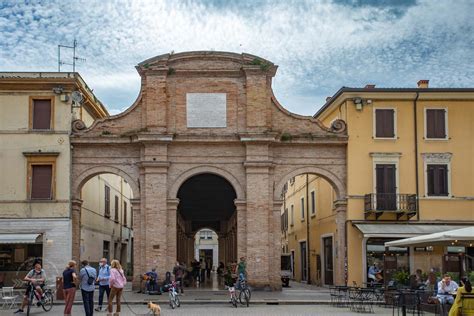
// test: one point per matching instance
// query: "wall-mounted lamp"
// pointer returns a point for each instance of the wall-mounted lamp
(358, 104)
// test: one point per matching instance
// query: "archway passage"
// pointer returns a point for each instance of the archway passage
(206, 201)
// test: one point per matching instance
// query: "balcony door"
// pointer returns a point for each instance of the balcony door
(386, 189)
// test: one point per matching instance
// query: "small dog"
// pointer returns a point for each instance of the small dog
(154, 308)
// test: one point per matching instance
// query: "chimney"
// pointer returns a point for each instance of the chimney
(369, 86)
(423, 84)
(327, 99)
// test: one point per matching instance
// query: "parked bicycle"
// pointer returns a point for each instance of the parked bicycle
(245, 294)
(45, 300)
(173, 295)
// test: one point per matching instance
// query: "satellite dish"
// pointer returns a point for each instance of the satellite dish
(77, 97)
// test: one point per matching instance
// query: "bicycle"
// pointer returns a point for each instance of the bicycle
(173, 295)
(233, 297)
(45, 301)
(245, 294)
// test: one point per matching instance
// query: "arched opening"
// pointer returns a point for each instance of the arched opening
(106, 220)
(309, 229)
(207, 222)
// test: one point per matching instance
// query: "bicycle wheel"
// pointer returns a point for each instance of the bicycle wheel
(234, 301)
(172, 301)
(244, 297)
(177, 302)
(30, 301)
(47, 301)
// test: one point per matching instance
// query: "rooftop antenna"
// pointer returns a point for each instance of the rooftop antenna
(74, 57)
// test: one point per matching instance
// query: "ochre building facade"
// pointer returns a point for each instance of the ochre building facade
(207, 145)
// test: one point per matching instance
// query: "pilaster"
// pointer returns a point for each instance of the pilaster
(76, 210)
(340, 268)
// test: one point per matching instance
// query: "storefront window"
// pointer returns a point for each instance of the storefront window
(388, 261)
(16, 259)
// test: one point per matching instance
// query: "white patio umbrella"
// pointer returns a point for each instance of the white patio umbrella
(462, 236)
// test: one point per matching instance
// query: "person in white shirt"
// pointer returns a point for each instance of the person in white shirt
(446, 288)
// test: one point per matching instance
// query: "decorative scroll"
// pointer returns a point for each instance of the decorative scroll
(338, 126)
(78, 126)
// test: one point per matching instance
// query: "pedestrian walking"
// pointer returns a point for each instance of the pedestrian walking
(208, 268)
(69, 286)
(87, 276)
(103, 280)
(202, 270)
(117, 282)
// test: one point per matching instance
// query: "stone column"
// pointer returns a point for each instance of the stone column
(241, 209)
(221, 242)
(275, 247)
(155, 218)
(258, 212)
(137, 263)
(76, 210)
(340, 268)
(171, 249)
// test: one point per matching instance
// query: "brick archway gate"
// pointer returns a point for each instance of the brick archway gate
(210, 112)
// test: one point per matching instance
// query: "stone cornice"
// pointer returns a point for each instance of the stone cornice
(437, 157)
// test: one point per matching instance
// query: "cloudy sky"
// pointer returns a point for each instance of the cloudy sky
(318, 45)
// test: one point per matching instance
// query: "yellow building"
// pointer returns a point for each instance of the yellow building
(36, 112)
(410, 172)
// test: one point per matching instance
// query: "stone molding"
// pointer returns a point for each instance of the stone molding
(437, 157)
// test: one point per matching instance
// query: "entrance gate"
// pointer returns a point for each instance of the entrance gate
(211, 113)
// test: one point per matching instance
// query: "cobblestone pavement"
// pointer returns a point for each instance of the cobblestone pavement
(220, 310)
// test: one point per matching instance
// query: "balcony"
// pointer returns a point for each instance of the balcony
(390, 203)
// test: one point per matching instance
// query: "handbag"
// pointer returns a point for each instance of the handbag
(90, 280)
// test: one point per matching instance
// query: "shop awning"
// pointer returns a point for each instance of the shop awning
(463, 236)
(20, 238)
(402, 230)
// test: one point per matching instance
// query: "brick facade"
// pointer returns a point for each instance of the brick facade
(261, 147)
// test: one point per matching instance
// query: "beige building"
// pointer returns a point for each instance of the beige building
(106, 220)
(206, 246)
(409, 172)
(36, 112)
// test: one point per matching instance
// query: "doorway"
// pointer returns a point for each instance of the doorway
(328, 261)
(304, 260)
(386, 187)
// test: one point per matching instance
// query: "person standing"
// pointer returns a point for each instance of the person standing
(178, 272)
(69, 286)
(103, 279)
(242, 267)
(87, 275)
(202, 270)
(117, 282)
(208, 268)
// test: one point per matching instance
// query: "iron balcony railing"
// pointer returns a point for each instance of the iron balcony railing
(400, 204)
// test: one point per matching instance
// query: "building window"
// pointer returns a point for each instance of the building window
(116, 208)
(437, 178)
(124, 213)
(106, 250)
(205, 235)
(41, 182)
(292, 215)
(436, 123)
(107, 201)
(313, 203)
(41, 113)
(384, 123)
(302, 208)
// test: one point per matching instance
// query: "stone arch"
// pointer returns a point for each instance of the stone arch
(338, 185)
(87, 174)
(239, 191)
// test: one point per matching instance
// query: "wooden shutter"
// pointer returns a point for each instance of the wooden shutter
(435, 123)
(41, 181)
(437, 180)
(41, 114)
(107, 201)
(125, 213)
(385, 123)
(116, 208)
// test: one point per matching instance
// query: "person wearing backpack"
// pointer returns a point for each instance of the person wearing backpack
(117, 282)
(103, 280)
(87, 275)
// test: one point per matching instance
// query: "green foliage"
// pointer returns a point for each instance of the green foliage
(171, 71)
(286, 137)
(471, 276)
(146, 66)
(401, 276)
(106, 133)
(264, 66)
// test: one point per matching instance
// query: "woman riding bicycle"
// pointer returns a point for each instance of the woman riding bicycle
(37, 277)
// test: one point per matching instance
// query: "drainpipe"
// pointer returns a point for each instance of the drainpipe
(416, 157)
(308, 250)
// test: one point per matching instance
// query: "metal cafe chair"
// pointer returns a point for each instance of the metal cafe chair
(8, 298)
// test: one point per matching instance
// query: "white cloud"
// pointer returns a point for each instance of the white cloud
(319, 45)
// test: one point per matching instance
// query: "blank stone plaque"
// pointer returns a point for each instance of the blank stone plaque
(206, 109)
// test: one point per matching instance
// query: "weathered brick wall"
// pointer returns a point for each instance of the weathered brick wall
(260, 148)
